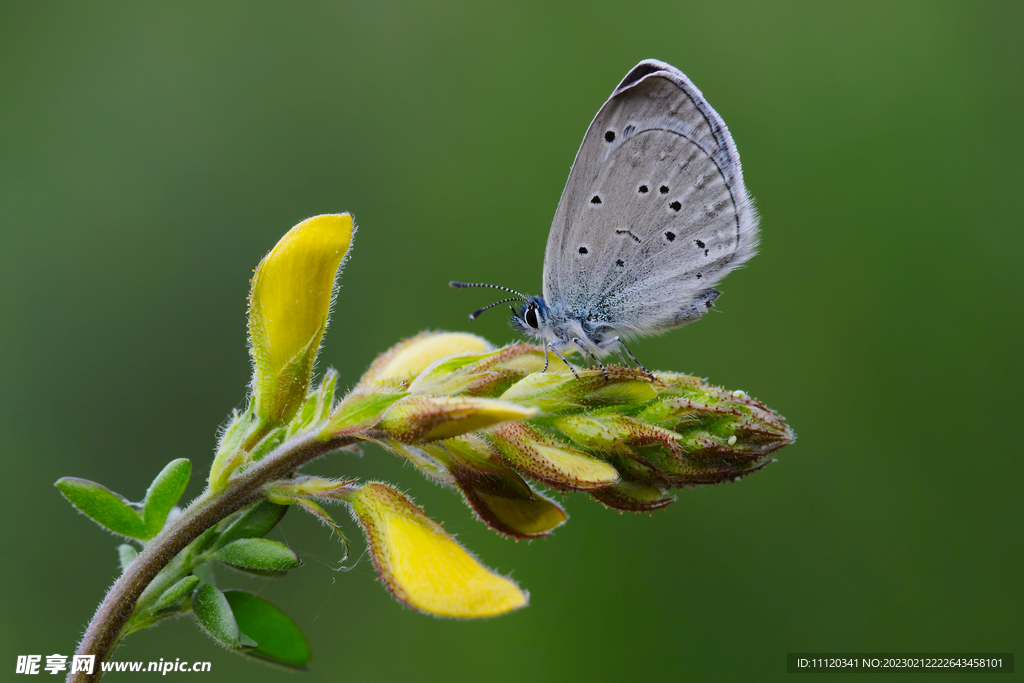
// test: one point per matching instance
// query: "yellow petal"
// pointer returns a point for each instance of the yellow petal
(407, 359)
(422, 564)
(288, 309)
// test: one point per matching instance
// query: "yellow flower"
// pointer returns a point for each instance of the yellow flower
(422, 565)
(288, 309)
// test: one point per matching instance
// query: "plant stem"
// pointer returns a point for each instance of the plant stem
(205, 511)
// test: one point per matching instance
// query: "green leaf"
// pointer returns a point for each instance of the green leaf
(103, 506)
(175, 593)
(214, 614)
(126, 554)
(281, 640)
(259, 555)
(164, 493)
(255, 522)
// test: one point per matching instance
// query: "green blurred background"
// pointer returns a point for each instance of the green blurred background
(150, 154)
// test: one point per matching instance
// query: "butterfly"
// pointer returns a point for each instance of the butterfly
(653, 215)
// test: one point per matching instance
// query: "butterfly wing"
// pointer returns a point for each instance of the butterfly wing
(654, 212)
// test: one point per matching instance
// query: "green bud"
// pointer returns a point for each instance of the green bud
(416, 419)
(481, 375)
(359, 411)
(306, 486)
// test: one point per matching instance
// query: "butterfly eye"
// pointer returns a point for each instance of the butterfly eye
(531, 317)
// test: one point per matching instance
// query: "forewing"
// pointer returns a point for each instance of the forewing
(655, 209)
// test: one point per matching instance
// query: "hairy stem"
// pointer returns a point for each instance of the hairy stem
(204, 512)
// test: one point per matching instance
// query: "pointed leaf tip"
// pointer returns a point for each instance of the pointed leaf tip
(103, 506)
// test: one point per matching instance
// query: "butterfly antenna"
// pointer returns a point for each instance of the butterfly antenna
(474, 314)
(463, 285)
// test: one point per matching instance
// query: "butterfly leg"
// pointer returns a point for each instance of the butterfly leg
(623, 347)
(551, 345)
(579, 343)
(546, 359)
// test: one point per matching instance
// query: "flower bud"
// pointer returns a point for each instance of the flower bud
(359, 411)
(549, 460)
(552, 392)
(616, 433)
(633, 497)
(416, 419)
(422, 565)
(288, 309)
(407, 359)
(304, 485)
(488, 375)
(499, 496)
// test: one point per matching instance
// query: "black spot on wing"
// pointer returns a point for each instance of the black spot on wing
(609, 136)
